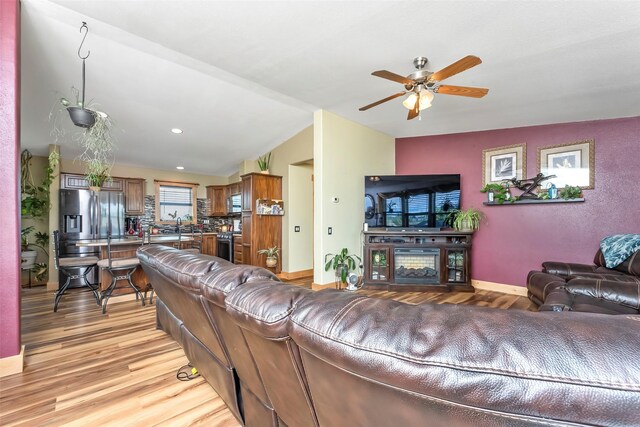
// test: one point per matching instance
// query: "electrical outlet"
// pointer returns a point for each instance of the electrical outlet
(330, 230)
(296, 228)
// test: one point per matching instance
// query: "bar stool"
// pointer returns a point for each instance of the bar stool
(197, 236)
(146, 240)
(119, 269)
(74, 268)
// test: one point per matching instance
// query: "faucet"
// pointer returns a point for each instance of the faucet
(178, 224)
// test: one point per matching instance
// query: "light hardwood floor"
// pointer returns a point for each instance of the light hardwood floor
(83, 368)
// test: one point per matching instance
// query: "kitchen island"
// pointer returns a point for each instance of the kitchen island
(126, 248)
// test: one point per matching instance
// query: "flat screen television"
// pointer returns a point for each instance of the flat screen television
(410, 201)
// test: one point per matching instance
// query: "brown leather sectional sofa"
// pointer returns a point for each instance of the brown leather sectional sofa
(281, 355)
(590, 288)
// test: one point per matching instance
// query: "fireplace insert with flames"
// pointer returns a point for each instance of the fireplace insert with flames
(416, 265)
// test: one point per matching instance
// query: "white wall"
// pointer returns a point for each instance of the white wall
(344, 152)
(297, 248)
(300, 213)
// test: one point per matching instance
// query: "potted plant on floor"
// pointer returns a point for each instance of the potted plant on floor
(29, 252)
(466, 219)
(272, 255)
(343, 262)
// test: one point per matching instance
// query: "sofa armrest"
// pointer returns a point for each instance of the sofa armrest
(540, 284)
(558, 300)
(564, 269)
(622, 293)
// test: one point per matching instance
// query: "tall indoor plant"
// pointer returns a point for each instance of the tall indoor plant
(343, 263)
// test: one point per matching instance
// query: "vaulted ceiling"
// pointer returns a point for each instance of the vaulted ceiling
(240, 77)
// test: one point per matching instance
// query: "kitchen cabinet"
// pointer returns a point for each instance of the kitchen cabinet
(210, 244)
(70, 181)
(216, 200)
(134, 191)
(233, 189)
(260, 231)
(238, 251)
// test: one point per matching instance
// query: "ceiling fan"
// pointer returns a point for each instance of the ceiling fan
(422, 84)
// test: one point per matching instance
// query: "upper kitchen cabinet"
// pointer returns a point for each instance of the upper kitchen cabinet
(134, 191)
(233, 189)
(70, 181)
(216, 200)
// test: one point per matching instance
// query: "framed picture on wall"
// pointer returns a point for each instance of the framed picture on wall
(572, 163)
(504, 163)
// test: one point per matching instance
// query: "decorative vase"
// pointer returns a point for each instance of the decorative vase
(28, 259)
(94, 188)
(272, 261)
(265, 172)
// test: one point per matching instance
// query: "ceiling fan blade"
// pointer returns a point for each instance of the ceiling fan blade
(388, 98)
(473, 92)
(393, 77)
(455, 68)
(415, 111)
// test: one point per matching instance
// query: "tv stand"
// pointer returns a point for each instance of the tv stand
(417, 260)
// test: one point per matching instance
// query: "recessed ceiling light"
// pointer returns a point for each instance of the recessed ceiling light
(180, 167)
(176, 130)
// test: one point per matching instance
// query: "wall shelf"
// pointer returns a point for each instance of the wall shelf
(535, 201)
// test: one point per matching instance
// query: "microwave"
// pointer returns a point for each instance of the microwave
(234, 204)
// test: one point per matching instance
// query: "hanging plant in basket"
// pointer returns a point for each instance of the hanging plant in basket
(96, 139)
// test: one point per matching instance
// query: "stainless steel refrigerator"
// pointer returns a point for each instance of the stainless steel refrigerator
(84, 216)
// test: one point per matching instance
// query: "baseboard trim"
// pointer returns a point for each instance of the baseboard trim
(285, 275)
(319, 287)
(12, 364)
(499, 287)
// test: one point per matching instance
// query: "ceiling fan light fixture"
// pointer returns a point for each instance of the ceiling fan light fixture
(425, 100)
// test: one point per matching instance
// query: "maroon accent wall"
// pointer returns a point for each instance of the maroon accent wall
(518, 238)
(9, 169)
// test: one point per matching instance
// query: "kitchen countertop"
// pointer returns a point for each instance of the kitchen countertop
(134, 241)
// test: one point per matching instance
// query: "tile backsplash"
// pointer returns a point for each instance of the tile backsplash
(150, 213)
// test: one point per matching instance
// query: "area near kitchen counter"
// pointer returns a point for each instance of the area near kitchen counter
(127, 248)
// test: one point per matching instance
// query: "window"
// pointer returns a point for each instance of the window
(420, 208)
(176, 200)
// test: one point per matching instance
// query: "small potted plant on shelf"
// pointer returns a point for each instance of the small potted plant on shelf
(343, 262)
(272, 255)
(97, 172)
(264, 162)
(499, 192)
(466, 219)
(570, 192)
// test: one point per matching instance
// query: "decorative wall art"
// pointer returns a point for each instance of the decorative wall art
(504, 163)
(572, 164)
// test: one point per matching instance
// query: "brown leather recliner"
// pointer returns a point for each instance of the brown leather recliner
(176, 284)
(375, 362)
(256, 405)
(593, 288)
(369, 361)
(262, 310)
